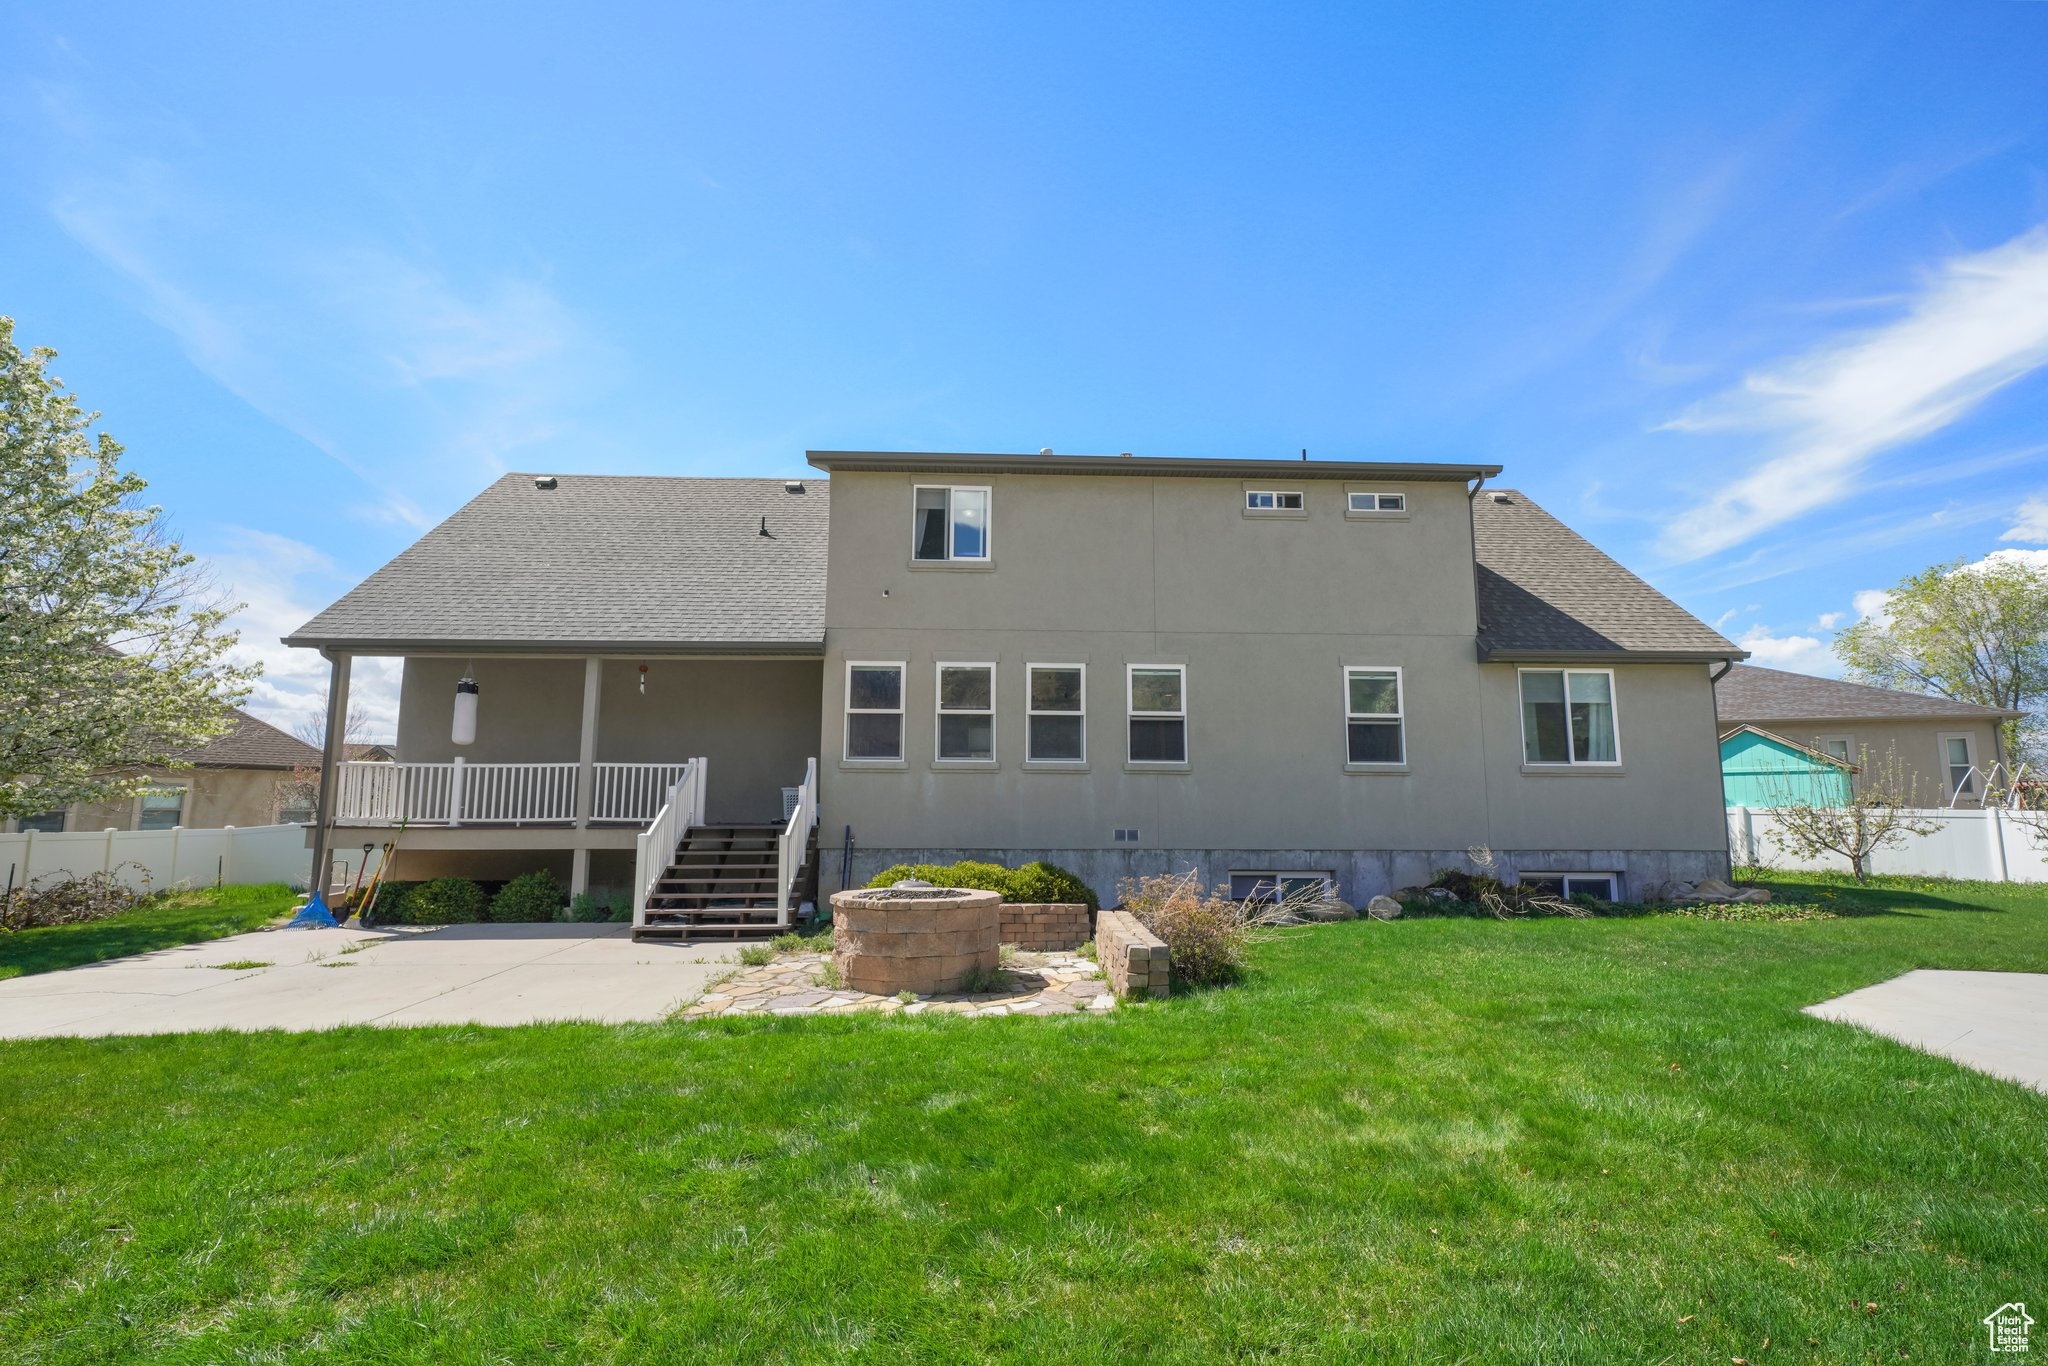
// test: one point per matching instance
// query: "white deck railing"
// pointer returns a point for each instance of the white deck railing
(460, 792)
(682, 807)
(789, 846)
(632, 792)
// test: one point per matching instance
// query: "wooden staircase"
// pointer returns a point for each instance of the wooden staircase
(722, 881)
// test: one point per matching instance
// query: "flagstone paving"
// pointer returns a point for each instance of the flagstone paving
(1034, 984)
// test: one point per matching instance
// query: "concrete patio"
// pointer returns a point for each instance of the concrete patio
(320, 979)
(1996, 1022)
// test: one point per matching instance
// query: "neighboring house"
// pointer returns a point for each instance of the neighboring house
(1762, 769)
(241, 778)
(1347, 673)
(1945, 749)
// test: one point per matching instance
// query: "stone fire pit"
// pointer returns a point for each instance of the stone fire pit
(914, 937)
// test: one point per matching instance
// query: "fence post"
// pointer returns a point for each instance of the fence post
(1996, 831)
(455, 793)
(107, 857)
(177, 842)
(227, 857)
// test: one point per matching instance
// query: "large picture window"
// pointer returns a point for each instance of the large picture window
(1568, 716)
(949, 524)
(1055, 705)
(1372, 717)
(967, 711)
(1158, 714)
(874, 711)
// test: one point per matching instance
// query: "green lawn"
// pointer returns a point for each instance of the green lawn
(176, 918)
(1429, 1141)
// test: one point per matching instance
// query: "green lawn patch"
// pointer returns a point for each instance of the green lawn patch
(174, 918)
(1432, 1140)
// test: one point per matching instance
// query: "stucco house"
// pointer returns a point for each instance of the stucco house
(1945, 749)
(713, 695)
(243, 777)
(1763, 769)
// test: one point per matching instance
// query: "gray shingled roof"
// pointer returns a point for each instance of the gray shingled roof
(602, 560)
(1750, 693)
(253, 744)
(1547, 592)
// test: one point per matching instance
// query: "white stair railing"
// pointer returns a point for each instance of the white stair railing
(796, 834)
(655, 847)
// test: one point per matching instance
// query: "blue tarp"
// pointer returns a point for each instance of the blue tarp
(314, 915)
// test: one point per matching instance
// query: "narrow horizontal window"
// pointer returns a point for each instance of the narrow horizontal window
(1374, 731)
(967, 711)
(1272, 500)
(1055, 720)
(1158, 714)
(1377, 502)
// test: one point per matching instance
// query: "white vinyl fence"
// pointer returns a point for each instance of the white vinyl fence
(162, 858)
(1988, 845)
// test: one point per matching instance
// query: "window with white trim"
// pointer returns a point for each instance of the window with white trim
(967, 712)
(1599, 886)
(1272, 888)
(1364, 501)
(49, 823)
(1158, 699)
(1374, 733)
(1959, 761)
(1272, 500)
(1056, 713)
(1568, 716)
(949, 523)
(874, 711)
(162, 808)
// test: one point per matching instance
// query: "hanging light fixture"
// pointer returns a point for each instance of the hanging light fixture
(643, 680)
(465, 709)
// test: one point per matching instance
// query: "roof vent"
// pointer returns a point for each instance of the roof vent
(1123, 455)
(1500, 498)
(792, 486)
(1045, 450)
(543, 481)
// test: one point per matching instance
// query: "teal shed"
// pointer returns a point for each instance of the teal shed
(1762, 769)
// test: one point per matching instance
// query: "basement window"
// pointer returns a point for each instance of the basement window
(1269, 889)
(1599, 886)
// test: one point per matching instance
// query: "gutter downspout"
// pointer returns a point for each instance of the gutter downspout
(1479, 649)
(1727, 835)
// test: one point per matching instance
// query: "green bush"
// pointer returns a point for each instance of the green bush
(1034, 882)
(390, 902)
(444, 901)
(1049, 883)
(528, 899)
(586, 908)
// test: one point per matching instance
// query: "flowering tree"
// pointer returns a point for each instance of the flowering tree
(1882, 812)
(113, 652)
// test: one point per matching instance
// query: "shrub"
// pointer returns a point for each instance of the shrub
(1034, 882)
(444, 901)
(1048, 882)
(528, 898)
(588, 909)
(1205, 932)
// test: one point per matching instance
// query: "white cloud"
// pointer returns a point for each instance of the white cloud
(1721, 622)
(1800, 654)
(1977, 323)
(1870, 602)
(1828, 621)
(267, 573)
(2030, 523)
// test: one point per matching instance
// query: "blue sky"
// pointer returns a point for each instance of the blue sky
(1754, 296)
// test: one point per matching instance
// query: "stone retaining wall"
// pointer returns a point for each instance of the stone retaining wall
(1132, 957)
(1046, 927)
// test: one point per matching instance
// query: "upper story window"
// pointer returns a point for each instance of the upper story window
(1055, 704)
(1372, 717)
(949, 524)
(1272, 500)
(1568, 716)
(1159, 714)
(1959, 759)
(967, 711)
(874, 711)
(1365, 501)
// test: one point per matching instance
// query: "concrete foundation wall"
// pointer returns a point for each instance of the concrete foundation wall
(1361, 874)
